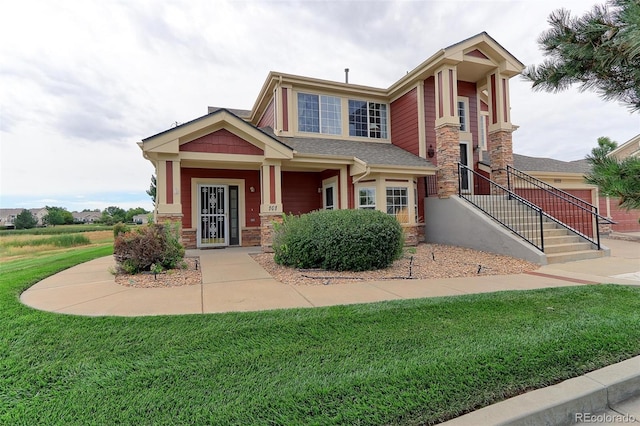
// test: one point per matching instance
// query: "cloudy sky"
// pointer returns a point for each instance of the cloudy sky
(81, 82)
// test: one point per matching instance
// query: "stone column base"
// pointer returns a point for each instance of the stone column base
(266, 230)
(412, 234)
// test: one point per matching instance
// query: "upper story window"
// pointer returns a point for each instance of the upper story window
(319, 114)
(367, 119)
(463, 109)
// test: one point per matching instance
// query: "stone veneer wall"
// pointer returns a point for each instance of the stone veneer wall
(266, 231)
(501, 154)
(448, 156)
(251, 237)
(189, 238)
(412, 234)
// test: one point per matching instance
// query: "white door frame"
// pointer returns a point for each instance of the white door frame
(469, 164)
(221, 214)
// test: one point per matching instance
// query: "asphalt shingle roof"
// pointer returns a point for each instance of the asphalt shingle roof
(539, 164)
(373, 153)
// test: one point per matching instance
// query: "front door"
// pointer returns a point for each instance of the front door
(213, 206)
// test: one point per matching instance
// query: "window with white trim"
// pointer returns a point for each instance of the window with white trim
(463, 108)
(367, 119)
(367, 198)
(482, 132)
(398, 202)
(319, 114)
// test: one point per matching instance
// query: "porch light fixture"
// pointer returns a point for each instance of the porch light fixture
(252, 189)
(430, 151)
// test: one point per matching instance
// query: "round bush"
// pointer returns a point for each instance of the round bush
(339, 240)
(153, 244)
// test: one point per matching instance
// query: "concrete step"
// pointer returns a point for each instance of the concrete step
(548, 232)
(560, 239)
(574, 255)
(565, 248)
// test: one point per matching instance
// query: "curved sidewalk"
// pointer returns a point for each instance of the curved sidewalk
(233, 281)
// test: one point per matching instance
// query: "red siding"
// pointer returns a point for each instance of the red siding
(300, 192)
(285, 110)
(221, 142)
(468, 90)
(404, 122)
(169, 183)
(272, 184)
(440, 100)
(252, 199)
(430, 114)
(267, 119)
(477, 54)
(627, 221)
(494, 101)
(572, 217)
(481, 186)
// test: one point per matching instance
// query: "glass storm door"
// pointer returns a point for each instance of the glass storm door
(213, 206)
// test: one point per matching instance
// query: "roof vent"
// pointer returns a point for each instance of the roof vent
(346, 75)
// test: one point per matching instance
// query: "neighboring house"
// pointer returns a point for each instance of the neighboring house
(86, 217)
(8, 216)
(630, 148)
(310, 144)
(141, 219)
(569, 176)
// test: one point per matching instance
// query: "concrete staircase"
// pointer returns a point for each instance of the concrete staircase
(560, 244)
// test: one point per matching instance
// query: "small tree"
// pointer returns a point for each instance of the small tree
(152, 189)
(113, 214)
(25, 220)
(57, 216)
(615, 178)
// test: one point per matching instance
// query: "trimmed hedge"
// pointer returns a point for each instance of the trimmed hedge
(150, 246)
(339, 240)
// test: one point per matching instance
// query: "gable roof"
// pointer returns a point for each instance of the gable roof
(539, 164)
(169, 140)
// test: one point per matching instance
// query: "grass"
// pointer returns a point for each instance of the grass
(28, 243)
(402, 362)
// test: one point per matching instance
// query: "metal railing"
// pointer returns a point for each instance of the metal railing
(508, 208)
(574, 213)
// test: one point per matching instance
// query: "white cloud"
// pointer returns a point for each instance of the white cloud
(82, 82)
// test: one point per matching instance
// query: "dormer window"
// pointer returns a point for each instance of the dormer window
(367, 119)
(319, 114)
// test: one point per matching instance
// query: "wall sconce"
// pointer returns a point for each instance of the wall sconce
(252, 189)
(319, 190)
(430, 151)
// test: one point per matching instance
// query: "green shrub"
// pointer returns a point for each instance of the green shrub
(120, 228)
(154, 244)
(339, 240)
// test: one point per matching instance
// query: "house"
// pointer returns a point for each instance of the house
(309, 144)
(140, 219)
(87, 216)
(630, 148)
(8, 216)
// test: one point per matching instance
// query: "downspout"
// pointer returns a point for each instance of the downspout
(365, 174)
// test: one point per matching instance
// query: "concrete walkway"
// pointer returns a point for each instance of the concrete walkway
(233, 281)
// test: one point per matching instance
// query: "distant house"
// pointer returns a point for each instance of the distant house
(86, 217)
(141, 219)
(8, 216)
(630, 148)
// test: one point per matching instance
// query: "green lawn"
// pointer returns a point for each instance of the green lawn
(404, 362)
